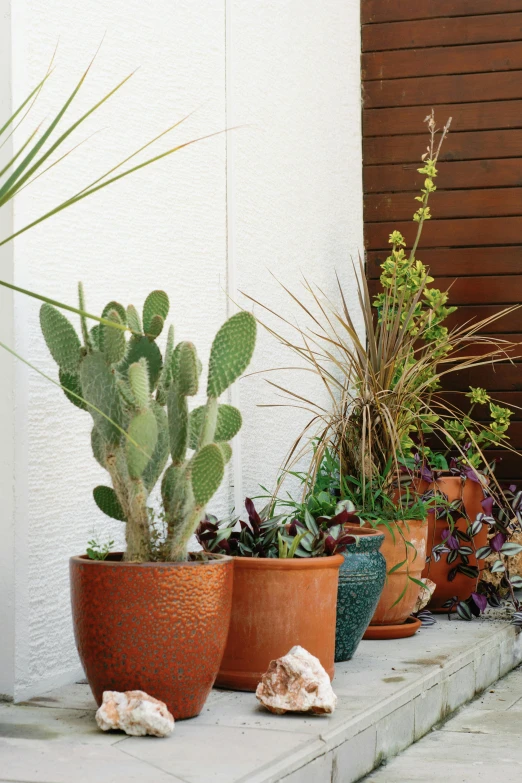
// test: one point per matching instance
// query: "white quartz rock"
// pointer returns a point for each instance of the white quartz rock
(136, 713)
(296, 683)
(425, 594)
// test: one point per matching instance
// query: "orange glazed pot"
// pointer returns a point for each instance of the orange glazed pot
(156, 627)
(472, 494)
(395, 551)
(276, 604)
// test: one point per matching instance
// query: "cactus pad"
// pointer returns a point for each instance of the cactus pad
(107, 501)
(143, 430)
(226, 450)
(139, 383)
(99, 389)
(142, 347)
(231, 352)
(156, 327)
(113, 339)
(157, 303)
(229, 423)
(160, 455)
(71, 383)
(133, 320)
(185, 361)
(122, 313)
(207, 469)
(178, 424)
(61, 338)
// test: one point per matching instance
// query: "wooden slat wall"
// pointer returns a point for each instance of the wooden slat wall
(464, 58)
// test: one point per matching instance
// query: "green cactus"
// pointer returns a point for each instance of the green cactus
(139, 402)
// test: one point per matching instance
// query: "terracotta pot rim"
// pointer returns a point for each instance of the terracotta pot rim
(355, 530)
(290, 563)
(214, 560)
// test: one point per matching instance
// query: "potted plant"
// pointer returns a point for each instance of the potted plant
(382, 385)
(286, 570)
(155, 617)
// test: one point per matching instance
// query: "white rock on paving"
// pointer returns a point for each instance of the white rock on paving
(136, 713)
(425, 594)
(297, 683)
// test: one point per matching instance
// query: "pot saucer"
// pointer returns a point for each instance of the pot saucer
(408, 628)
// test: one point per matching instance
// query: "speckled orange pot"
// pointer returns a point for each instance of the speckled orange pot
(277, 604)
(156, 627)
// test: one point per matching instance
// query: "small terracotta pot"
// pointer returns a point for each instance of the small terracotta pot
(156, 627)
(462, 586)
(276, 604)
(395, 551)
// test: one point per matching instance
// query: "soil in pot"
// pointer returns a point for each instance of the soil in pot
(361, 580)
(276, 604)
(400, 593)
(156, 627)
(471, 494)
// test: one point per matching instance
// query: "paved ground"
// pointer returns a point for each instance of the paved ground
(390, 694)
(483, 742)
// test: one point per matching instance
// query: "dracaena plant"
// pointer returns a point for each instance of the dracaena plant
(139, 402)
(285, 535)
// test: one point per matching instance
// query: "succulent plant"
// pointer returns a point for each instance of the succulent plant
(138, 399)
(283, 536)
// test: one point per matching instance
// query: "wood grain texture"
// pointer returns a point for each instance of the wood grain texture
(466, 261)
(495, 289)
(486, 28)
(477, 58)
(432, 90)
(496, 202)
(398, 10)
(450, 233)
(489, 115)
(472, 174)
(459, 146)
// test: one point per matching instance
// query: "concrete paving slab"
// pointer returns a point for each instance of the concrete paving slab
(38, 761)
(390, 694)
(54, 725)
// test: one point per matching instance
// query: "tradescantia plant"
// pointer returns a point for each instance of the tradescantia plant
(286, 535)
(138, 399)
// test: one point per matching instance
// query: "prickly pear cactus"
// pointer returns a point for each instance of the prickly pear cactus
(139, 402)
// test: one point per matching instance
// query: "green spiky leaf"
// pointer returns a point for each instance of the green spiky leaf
(143, 429)
(139, 382)
(157, 303)
(178, 424)
(207, 470)
(71, 387)
(112, 339)
(122, 313)
(160, 455)
(107, 501)
(166, 373)
(231, 352)
(95, 336)
(229, 422)
(133, 320)
(141, 347)
(61, 338)
(100, 390)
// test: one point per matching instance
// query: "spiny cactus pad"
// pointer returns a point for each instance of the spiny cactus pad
(185, 369)
(229, 423)
(143, 430)
(61, 338)
(207, 469)
(107, 501)
(72, 388)
(178, 424)
(99, 389)
(133, 320)
(112, 338)
(231, 352)
(139, 383)
(157, 303)
(142, 347)
(160, 455)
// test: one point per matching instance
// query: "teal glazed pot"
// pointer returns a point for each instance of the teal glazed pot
(361, 580)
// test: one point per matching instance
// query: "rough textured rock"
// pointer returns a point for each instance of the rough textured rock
(296, 683)
(425, 594)
(135, 713)
(515, 564)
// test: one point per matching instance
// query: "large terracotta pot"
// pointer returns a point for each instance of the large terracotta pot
(276, 604)
(390, 611)
(361, 579)
(462, 586)
(156, 627)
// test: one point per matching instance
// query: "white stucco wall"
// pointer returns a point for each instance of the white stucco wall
(282, 193)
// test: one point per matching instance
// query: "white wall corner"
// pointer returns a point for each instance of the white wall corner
(7, 400)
